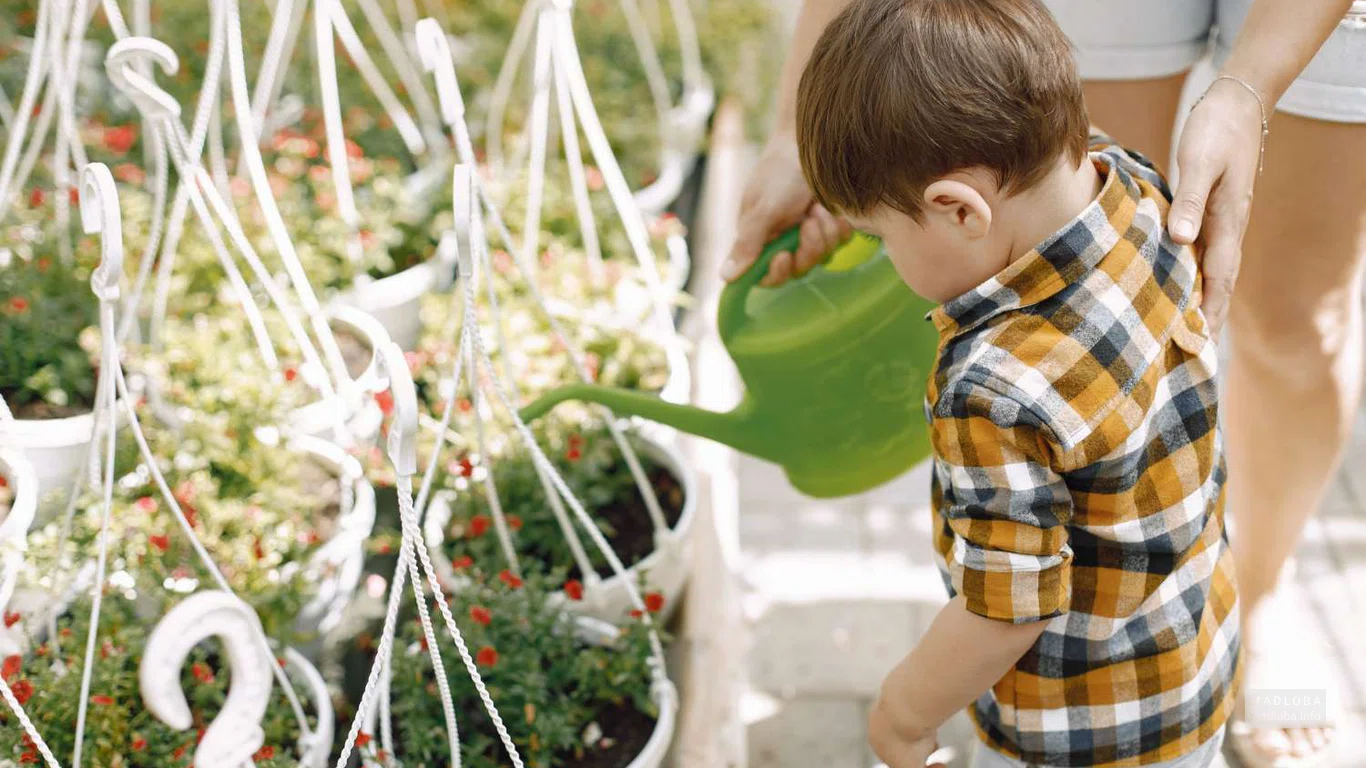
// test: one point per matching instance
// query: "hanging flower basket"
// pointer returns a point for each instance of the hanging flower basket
(119, 728)
(574, 692)
(286, 520)
(458, 527)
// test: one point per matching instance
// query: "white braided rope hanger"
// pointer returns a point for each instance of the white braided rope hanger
(434, 48)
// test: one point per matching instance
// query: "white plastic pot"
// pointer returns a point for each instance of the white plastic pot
(665, 570)
(683, 138)
(396, 300)
(57, 449)
(337, 566)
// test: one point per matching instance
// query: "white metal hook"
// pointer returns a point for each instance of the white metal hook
(149, 98)
(235, 734)
(403, 429)
(100, 215)
(435, 51)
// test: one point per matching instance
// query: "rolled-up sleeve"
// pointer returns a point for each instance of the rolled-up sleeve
(1005, 509)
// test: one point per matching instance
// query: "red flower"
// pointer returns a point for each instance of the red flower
(464, 405)
(654, 602)
(479, 525)
(12, 618)
(191, 516)
(10, 666)
(129, 173)
(362, 739)
(573, 454)
(381, 755)
(257, 549)
(514, 522)
(462, 562)
(466, 467)
(179, 752)
(119, 140)
(486, 657)
(23, 691)
(36, 198)
(161, 541)
(635, 614)
(574, 589)
(291, 374)
(264, 753)
(353, 150)
(102, 700)
(29, 756)
(139, 744)
(509, 579)
(385, 400)
(18, 304)
(146, 504)
(480, 615)
(201, 672)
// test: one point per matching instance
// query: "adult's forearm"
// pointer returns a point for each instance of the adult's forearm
(812, 20)
(1278, 39)
(960, 657)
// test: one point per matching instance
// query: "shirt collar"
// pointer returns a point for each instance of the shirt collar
(1064, 258)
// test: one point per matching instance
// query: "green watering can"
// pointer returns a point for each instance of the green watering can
(834, 363)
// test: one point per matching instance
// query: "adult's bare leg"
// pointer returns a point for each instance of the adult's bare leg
(1139, 113)
(1295, 377)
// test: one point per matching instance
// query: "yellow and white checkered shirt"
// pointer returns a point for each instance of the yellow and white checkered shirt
(1079, 480)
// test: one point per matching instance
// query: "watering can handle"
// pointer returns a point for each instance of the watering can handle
(731, 305)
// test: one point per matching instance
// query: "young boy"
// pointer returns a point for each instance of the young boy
(1078, 484)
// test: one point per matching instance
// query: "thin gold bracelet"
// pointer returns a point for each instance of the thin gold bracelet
(1261, 104)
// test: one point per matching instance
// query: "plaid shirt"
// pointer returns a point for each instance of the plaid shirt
(1079, 479)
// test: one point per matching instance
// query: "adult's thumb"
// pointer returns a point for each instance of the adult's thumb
(1187, 214)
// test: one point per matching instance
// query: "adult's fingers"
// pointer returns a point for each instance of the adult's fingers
(819, 236)
(1219, 265)
(750, 238)
(779, 270)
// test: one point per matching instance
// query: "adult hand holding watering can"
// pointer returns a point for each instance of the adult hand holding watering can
(776, 199)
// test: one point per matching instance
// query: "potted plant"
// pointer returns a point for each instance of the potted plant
(285, 519)
(573, 693)
(49, 343)
(459, 526)
(46, 680)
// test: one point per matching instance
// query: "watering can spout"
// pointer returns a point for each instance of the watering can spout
(727, 428)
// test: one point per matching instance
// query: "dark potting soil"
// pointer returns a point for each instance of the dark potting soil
(625, 730)
(38, 410)
(634, 534)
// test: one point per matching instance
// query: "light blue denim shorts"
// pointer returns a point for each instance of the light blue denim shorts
(1146, 39)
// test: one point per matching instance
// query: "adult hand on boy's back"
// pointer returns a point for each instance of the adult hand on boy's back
(1218, 157)
(775, 199)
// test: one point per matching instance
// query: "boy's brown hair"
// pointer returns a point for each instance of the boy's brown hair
(898, 93)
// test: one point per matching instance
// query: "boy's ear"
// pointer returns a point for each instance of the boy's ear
(960, 205)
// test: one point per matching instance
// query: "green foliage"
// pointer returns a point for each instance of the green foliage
(548, 682)
(588, 459)
(120, 731)
(48, 315)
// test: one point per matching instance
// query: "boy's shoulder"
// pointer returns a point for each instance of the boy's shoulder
(1062, 342)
